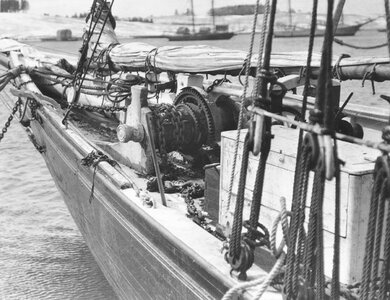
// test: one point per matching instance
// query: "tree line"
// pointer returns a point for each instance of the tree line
(13, 5)
(246, 9)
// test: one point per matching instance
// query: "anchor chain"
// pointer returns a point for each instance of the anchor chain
(111, 109)
(164, 114)
(7, 124)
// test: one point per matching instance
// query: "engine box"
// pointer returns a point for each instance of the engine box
(356, 185)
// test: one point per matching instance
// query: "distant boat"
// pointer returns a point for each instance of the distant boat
(291, 30)
(205, 33)
(216, 32)
(295, 31)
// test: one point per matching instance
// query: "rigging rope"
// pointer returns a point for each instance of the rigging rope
(379, 196)
(387, 11)
(80, 71)
(253, 224)
(242, 100)
(309, 283)
(300, 177)
(241, 249)
(342, 43)
(262, 283)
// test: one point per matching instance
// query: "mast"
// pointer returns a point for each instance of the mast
(338, 14)
(212, 13)
(289, 14)
(193, 16)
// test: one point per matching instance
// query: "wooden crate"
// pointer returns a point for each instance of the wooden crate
(356, 185)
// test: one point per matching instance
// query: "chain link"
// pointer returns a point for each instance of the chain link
(158, 114)
(99, 108)
(167, 114)
(10, 118)
(33, 107)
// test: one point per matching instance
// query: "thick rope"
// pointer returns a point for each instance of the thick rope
(379, 196)
(235, 241)
(384, 285)
(387, 11)
(242, 107)
(262, 81)
(300, 183)
(296, 233)
(369, 249)
(259, 181)
(335, 288)
(378, 236)
(314, 243)
(276, 269)
(255, 91)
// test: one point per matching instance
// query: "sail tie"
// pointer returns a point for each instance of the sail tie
(93, 159)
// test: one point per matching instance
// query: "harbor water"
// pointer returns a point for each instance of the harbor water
(42, 253)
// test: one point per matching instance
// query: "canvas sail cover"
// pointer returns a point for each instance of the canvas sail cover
(206, 59)
(188, 59)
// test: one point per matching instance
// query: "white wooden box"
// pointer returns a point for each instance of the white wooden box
(356, 185)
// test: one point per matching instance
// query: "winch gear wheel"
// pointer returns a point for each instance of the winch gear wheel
(192, 95)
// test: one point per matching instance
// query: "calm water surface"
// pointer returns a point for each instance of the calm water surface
(42, 253)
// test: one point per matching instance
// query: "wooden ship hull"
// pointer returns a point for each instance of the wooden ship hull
(100, 140)
(145, 252)
(137, 253)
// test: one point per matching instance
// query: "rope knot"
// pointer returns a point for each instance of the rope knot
(316, 116)
(15, 72)
(337, 69)
(267, 75)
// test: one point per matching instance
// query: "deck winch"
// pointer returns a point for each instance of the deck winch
(193, 120)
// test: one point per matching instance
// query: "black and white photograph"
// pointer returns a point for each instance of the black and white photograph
(194, 149)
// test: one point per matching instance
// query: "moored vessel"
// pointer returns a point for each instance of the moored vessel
(107, 136)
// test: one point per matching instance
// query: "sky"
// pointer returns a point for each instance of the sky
(145, 8)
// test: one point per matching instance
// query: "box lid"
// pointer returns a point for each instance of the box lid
(358, 159)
